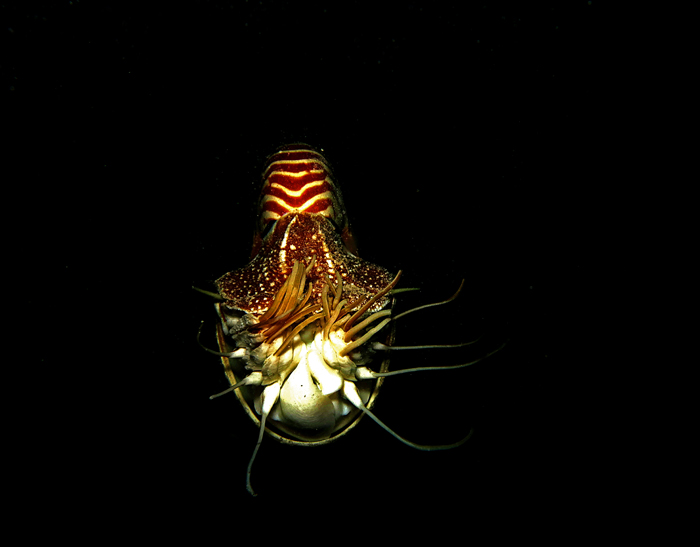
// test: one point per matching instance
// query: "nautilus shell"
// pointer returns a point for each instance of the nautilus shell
(304, 326)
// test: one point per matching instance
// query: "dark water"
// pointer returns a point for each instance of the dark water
(465, 145)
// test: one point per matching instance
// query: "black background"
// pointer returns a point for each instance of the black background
(463, 139)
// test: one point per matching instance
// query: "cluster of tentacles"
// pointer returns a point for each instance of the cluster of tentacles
(304, 361)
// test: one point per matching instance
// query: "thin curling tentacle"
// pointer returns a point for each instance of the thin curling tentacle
(418, 308)
(383, 347)
(350, 392)
(449, 367)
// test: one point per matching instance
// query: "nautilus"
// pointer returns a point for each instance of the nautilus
(305, 327)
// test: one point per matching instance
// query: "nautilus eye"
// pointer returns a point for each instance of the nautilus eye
(305, 327)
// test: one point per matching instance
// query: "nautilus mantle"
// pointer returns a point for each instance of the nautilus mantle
(302, 323)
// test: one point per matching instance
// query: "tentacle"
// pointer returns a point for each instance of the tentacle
(383, 347)
(269, 398)
(450, 299)
(350, 392)
(371, 374)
